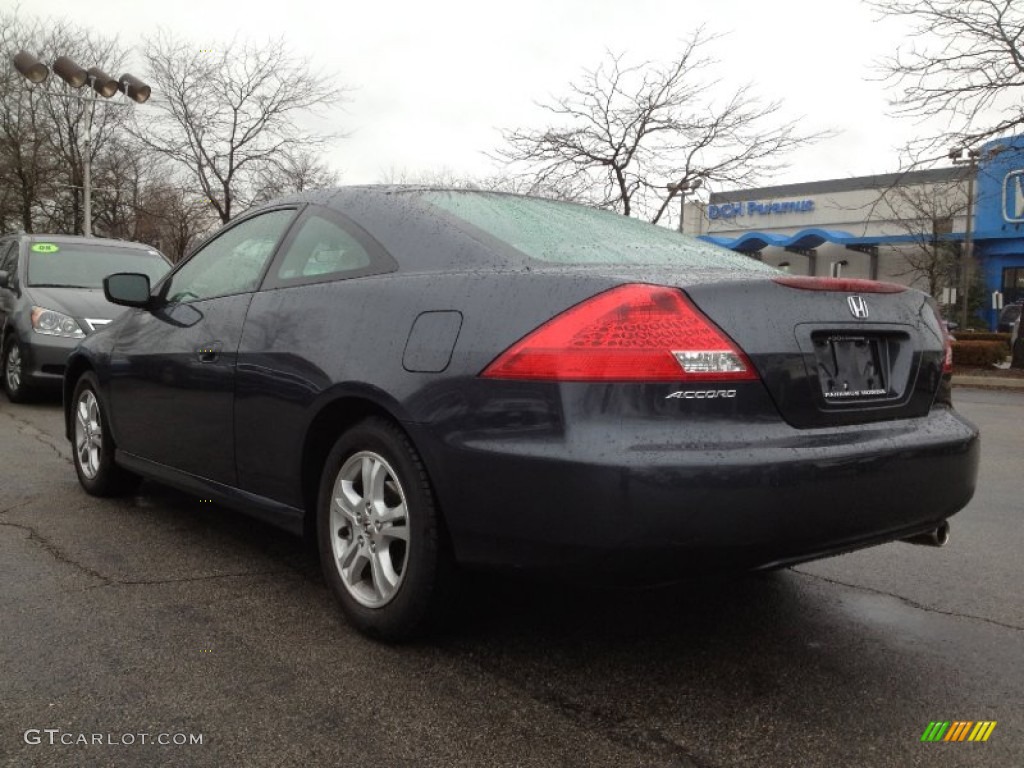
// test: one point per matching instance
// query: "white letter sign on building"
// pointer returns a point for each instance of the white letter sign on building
(759, 208)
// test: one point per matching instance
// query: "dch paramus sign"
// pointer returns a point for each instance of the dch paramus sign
(759, 208)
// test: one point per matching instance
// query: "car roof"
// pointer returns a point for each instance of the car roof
(406, 228)
(51, 238)
(338, 194)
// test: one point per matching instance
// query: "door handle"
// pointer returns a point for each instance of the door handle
(208, 353)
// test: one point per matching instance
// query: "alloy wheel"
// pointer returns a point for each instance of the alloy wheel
(88, 434)
(12, 368)
(369, 523)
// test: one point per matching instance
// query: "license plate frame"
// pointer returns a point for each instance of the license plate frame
(851, 367)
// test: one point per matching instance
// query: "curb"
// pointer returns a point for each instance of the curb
(988, 382)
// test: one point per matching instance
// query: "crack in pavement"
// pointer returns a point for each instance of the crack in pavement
(911, 603)
(617, 728)
(29, 430)
(108, 581)
(621, 730)
(56, 552)
(183, 579)
(13, 507)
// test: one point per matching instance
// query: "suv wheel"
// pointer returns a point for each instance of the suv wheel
(12, 371)
(379, 533)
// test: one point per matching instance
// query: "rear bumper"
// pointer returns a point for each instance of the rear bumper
(755, 496)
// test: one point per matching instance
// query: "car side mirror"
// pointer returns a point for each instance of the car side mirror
(5, 279)
(129, 289)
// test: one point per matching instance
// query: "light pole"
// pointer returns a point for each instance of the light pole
(99, 83)
(956, 154)
(684, 188)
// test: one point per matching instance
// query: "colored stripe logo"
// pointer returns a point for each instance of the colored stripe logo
(959, 730)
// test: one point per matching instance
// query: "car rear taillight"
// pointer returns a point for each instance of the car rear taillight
(947, 342)
(840, 284)
(635, 332)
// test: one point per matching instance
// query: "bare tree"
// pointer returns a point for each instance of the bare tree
(438, 177)
(172, 218)
(927, 213)
(227, 115)
(41, 126)
(29, 167)
(294, 171)
(447, 178)
(66, 116)
(119, 181)
(633, 137)
(964, 63)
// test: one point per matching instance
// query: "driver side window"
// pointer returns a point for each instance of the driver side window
(233, 262)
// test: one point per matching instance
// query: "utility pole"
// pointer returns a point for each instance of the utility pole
(956, 154)
(684, 188)
(87, 164)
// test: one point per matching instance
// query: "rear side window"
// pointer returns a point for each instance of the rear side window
(564, 233)
(326, 245)
(322, 247)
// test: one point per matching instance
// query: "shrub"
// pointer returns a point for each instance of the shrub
(979, 353)
(982, 336)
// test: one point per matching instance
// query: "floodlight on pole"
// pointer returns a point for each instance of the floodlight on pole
(68, 71)
(29, 67)
(100, 84)
(134, 89)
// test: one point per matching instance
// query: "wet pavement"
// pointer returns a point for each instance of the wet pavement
(165, 618)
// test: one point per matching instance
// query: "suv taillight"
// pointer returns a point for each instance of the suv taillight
(634, 332)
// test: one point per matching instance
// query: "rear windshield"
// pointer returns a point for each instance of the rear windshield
(564, 233)
(84, 265)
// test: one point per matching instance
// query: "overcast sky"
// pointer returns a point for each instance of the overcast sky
(435, 81)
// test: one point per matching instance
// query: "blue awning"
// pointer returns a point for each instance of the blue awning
(806, 239)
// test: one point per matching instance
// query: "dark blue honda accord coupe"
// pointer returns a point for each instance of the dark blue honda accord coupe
(428, 379)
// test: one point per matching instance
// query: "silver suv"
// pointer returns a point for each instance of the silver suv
(1008, 317)
(51, 297)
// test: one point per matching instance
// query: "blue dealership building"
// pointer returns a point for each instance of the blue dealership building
(885, 227)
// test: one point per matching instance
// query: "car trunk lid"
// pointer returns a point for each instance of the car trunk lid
(832, 353)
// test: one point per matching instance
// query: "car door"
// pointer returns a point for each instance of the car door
(172, 382)
(298, 335)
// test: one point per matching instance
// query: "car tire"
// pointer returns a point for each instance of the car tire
(12, 371)
(382, 546)
(92, 444)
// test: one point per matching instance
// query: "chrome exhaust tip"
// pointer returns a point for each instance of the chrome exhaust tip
(937, 537)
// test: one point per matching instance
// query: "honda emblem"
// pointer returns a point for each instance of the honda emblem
(858, 307)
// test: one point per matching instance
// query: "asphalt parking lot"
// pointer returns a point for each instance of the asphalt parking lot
(167, 617)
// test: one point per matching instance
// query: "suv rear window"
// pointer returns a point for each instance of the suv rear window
(566, 233)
